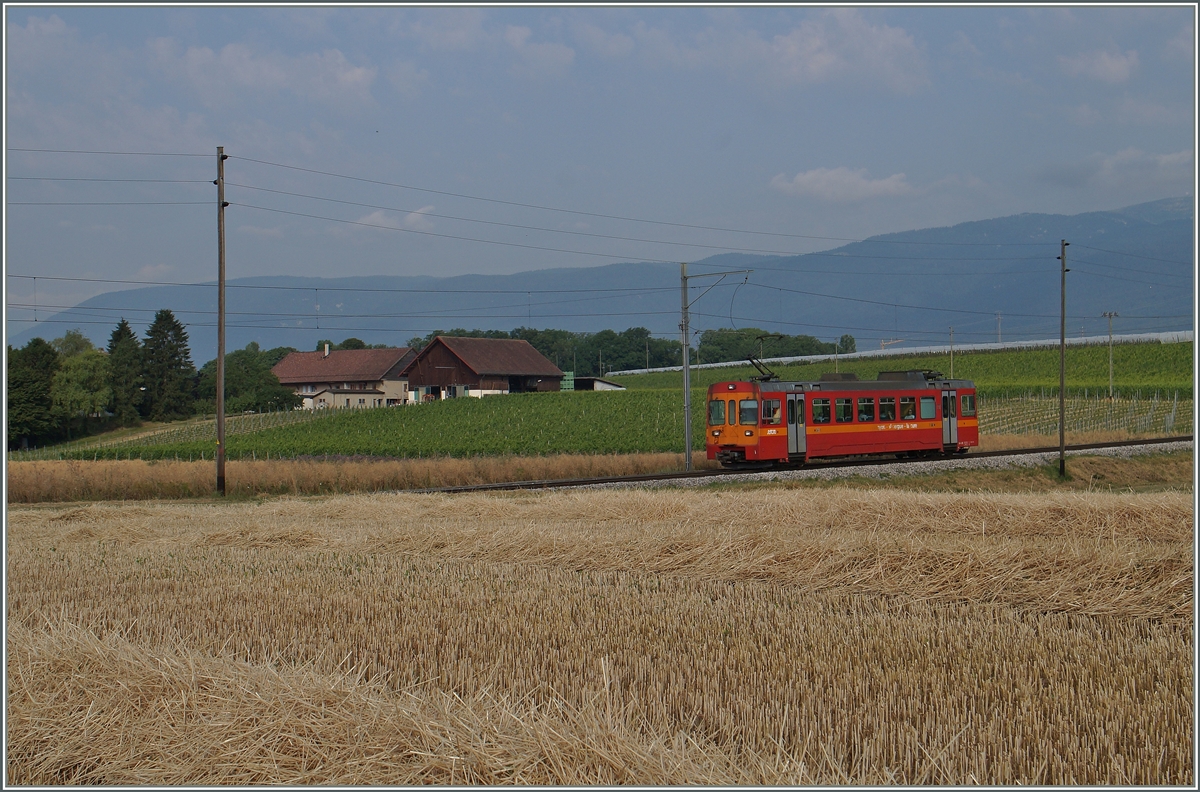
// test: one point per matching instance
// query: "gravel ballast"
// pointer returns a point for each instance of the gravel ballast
(1016, 460)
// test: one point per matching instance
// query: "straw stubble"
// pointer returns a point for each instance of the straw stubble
(832, 636)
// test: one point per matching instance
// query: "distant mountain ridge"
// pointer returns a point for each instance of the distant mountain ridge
(911, 285)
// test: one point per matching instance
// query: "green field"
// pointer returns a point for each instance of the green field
(1019, 396)
(1166, 368)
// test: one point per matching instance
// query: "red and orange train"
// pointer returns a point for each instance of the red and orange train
(760, 422)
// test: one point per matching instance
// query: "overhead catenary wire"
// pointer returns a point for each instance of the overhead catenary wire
(569, 232)
(1135, 255)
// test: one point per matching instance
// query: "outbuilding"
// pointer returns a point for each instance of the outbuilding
(452, 366)
(596, 384)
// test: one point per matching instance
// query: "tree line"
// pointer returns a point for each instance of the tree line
(67, 388)
(595, 354)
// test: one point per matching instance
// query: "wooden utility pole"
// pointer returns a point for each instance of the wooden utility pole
(1062, 369)
(1110, 315)
(221, 204)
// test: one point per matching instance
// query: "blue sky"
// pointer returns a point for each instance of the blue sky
(802, 121)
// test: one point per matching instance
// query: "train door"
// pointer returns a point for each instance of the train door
(950, 418)
(795, 419)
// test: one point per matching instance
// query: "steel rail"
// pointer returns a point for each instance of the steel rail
(845, 463)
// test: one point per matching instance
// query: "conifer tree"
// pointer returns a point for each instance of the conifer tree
(128, 382)
(31, 370)
(170, 376)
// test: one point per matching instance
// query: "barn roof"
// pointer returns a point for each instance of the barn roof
(340, 365)
(495, 356)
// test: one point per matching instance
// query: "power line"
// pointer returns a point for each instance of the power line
(110, 203)
(78, 179)
(610, 236)
(560, 250)
(513, 225)
(115, 153)
(619, 217)
(1135, 255)
(449, 236)
(345, 288)
(1078, 261)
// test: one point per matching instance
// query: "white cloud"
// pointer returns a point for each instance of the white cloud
(260, 231)
(413, 221)
(540, 60)
(155, 270)
(1129, 168)
(837, 45)
(406, 78)
(417, 221)
(450, 29)
(1180, 46)
(1110, 67)
(598, 41)
(842, 184)
(216, 75)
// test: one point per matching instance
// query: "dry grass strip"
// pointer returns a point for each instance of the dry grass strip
(75, 480)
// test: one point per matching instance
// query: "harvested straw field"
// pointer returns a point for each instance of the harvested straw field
(773, 635)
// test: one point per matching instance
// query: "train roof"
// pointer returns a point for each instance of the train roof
(887, 380)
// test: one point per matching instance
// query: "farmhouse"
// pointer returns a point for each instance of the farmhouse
(343, 378)
(450, 367)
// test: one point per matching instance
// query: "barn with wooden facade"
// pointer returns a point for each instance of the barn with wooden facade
(451, 367)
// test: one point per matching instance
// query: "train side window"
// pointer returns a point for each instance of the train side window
(928, 408)
(791, 412)
(968, 405)
(866, 409)
(908, 408)
(748, 412)
(716, 412)
(887, 408)
(733, 412)
(844, 410)
(820, 411)
(771, 414)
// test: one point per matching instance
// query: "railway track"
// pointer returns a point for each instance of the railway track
(849, 463)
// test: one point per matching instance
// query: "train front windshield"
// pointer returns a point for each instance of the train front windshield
(748, 412)
(716, 412)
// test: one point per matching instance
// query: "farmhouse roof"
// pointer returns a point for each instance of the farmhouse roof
(340, 365)
(494, 356)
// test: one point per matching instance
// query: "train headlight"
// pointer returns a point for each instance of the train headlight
(749, 433)
(716, 432)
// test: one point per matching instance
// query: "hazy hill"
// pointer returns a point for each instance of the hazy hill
(1008, 264)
